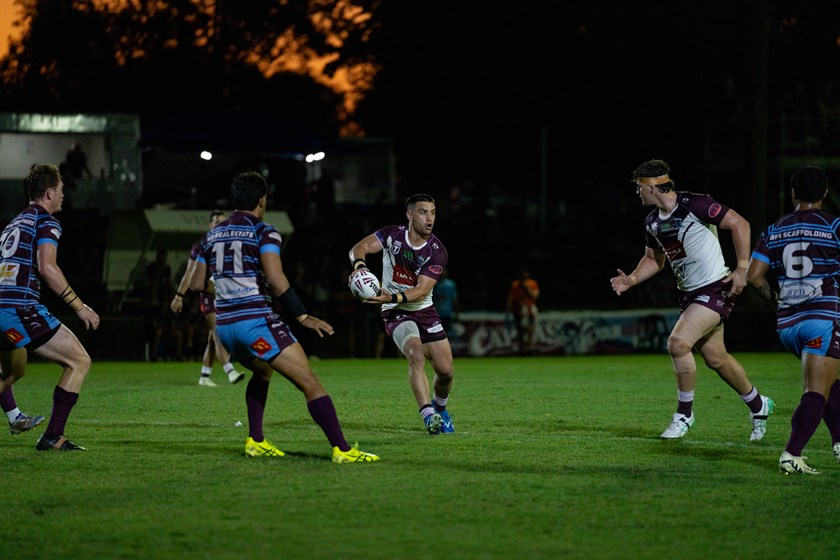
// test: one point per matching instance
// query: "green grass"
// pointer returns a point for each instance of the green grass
(555, 457)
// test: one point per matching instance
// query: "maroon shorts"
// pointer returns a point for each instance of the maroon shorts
(427, 320)
(715, 296)
(207, 303)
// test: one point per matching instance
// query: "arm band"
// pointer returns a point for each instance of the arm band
(359, 263)
(292, 302)
(399, 297)
(179, 294)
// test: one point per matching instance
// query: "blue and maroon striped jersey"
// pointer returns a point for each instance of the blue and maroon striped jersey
(19, 282)
(802, 249)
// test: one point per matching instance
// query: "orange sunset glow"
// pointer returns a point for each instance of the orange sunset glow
(8, 15)
(291, 52)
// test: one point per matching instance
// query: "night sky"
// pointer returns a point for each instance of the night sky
(466, 94)
(612, 85)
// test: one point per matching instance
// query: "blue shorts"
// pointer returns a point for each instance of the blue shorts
(263, 338)
(30, 327)
(812, 336)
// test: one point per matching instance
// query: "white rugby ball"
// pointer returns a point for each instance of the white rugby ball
(364, 284)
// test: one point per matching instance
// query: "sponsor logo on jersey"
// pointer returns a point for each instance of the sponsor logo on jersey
(814, 343)
(404, 276)
(8, 271)
(260, 346)
(13, 336)
(675, 253)
(714, 210)
(436, 269)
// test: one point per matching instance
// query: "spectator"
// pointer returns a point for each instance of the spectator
(159, 279)
(159, 322)
(522, 307)
(167, 333)
(75, 163)
(445, 296)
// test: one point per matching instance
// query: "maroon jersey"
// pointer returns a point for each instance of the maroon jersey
(403, 263)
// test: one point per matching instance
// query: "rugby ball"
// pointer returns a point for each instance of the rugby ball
(364, 284)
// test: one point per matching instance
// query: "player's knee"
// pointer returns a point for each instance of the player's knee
(678, 347)
(80, 362)
(445, 375)
(716, 361)
(413, 351)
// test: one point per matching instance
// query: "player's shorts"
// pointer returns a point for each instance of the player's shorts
(526, 316)
(262, 338)
(31, 326)
(812, 336)
(427, 320)
(206, 303)
(715, 296)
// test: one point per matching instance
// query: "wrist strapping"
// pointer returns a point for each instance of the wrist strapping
(70, 297)
(292, 302)
(359, 263)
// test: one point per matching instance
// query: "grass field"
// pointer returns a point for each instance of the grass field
(554, 457)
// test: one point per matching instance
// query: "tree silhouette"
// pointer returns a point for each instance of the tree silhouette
(308, 59)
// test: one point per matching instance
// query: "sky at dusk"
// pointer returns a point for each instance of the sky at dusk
(7, 15)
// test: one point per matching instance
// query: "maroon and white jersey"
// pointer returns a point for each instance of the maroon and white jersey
(403, 263)
(688, 235)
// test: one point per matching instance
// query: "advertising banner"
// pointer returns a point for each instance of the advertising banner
(566, 332)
